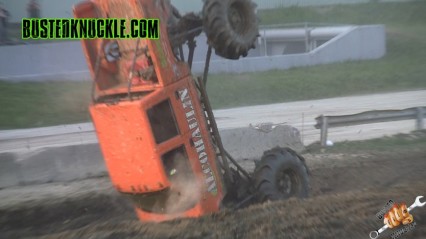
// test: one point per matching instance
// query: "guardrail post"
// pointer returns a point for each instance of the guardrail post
(419, 120)
(265, 39)
(324, 130)
(307, 38)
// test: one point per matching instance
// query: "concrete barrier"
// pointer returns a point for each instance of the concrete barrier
(59, 164)
(65, 60)
(9, 170)
(63, 164)
(41, 62)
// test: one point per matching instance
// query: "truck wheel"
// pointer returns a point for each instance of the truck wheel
(231, 26)
(281, 174)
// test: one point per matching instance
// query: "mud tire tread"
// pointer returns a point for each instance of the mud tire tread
(272, 162)
(226, 41)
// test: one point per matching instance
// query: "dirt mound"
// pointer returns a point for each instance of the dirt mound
(347, 192)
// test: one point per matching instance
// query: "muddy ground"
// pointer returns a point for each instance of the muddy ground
(347, 191)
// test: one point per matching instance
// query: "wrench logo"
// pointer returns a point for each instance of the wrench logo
(417, 203)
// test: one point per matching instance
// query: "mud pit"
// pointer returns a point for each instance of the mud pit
(347, 192)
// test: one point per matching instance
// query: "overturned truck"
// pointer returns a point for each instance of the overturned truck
(153, 119)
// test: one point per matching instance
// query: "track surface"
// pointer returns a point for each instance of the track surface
(347, 192)
(300, 114)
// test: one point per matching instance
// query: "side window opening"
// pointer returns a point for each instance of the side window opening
(163, 122)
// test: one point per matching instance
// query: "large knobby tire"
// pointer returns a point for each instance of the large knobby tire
(281, 174)
(231, 26)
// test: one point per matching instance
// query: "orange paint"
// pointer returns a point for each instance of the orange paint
(135, 159)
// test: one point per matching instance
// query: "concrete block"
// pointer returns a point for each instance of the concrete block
(9, 170)
(249, 143)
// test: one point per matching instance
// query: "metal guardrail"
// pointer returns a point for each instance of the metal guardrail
(369, 117)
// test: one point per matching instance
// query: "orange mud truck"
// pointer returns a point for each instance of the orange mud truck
(153, 119)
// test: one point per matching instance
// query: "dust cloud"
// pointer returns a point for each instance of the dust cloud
(185, 189)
